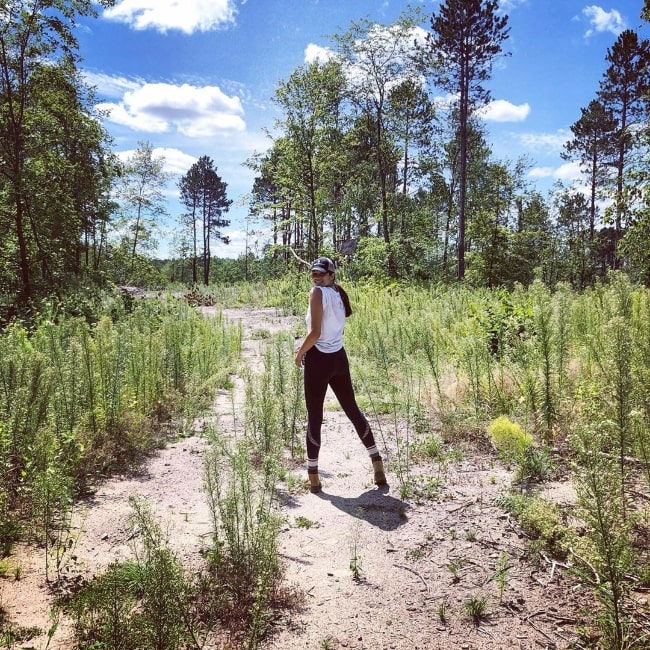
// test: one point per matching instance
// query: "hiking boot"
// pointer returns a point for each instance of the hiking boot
(314, 481)
(378, 468)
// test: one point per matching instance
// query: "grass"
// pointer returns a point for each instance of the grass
(442, 611)
(141, 602)
(83, 400)
(569, 374)
(476, 608)
(541, 521)
(304, 522)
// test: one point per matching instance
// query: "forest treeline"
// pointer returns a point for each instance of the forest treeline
(366, 164)
(370, 161)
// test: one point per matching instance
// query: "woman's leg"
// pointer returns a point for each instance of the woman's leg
(341, 384)
(316, 375)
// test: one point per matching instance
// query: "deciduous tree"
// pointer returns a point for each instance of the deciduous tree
(378, 59)
(142, 198)
(33, 33)
(310, 170)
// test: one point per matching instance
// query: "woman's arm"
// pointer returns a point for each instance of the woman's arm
(316, 315)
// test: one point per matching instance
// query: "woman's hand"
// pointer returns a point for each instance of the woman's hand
(300, 359)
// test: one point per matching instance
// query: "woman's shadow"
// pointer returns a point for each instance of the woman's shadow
(375, 506)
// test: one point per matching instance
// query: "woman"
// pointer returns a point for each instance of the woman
(326, 364)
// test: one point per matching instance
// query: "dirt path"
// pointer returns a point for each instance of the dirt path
(376, 572)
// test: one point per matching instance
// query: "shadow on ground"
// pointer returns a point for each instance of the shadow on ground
(375, 506)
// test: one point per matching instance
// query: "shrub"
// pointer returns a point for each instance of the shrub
(509, 439)
(541, 521)
(138, 604)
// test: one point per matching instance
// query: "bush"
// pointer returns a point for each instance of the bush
(509, 439)
(138, 604)
(541, 521)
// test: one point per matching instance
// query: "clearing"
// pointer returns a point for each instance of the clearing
(374, 571)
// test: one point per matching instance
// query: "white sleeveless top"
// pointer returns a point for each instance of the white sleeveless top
(331, 333)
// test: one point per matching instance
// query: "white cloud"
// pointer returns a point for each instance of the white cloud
(500, 110)
(176, 161)
(541, 172)
(603, 21)
(187, 16)
(188, 110)
(569, 171)
(315, 53)
(110, 86)
(506, 6)
(548, 142)
(120, 114)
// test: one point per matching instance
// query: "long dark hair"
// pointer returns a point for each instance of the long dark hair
(344, 298)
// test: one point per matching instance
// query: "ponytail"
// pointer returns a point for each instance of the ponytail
(345, 299)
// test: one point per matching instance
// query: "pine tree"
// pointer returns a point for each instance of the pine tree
(623, 93)
(466, 37)
(592, 143)
(203, 193)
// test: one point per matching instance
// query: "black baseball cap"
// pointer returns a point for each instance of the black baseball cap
(323, 265)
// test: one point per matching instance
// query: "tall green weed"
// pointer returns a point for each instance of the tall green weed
(78, 400)
(144, 603)
(243, 559)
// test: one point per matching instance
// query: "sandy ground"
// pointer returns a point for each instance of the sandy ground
(375, 571)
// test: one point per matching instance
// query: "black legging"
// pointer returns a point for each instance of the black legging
(333, 369)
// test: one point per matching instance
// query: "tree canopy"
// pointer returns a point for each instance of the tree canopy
(367, 164)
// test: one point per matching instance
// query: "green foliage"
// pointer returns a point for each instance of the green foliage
(430, 447)
(541, 521)
(501, 574)
(103, 610)
(508, 438)
(82, 399)
(535, 465)
(275, 408)
(243, 560)
(150, 603)
(93, 393)
(372, 259)
(304, 522)
(203, 193)
(517, 446)
(599, 483)
(138, 604)
(382, 178)
(57, 167)
(476, 608)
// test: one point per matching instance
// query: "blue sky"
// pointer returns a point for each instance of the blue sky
(196, 77)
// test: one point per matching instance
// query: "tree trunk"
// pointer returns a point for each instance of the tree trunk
(26, 290)
(464, 109)
(195, 253)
